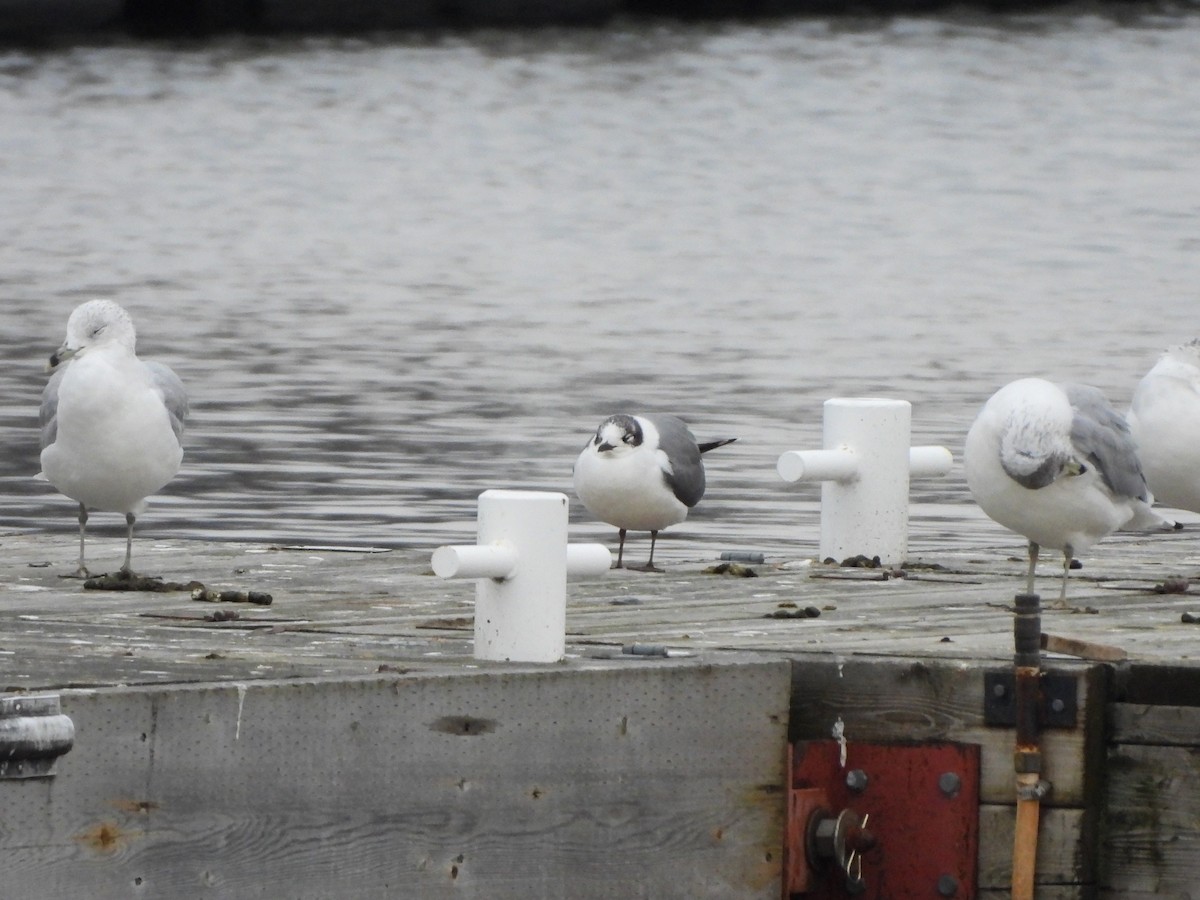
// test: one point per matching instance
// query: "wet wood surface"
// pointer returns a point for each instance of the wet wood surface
(338, 612)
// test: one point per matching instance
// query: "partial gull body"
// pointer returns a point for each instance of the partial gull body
(1056, 463)
(1165, 420)
(111, 423)
(641, 473)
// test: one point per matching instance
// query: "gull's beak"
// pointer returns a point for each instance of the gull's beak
(60, 356)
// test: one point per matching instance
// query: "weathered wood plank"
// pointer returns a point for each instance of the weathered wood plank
(1166, 682)
(639, 779)
(329, 606)
(1151, 843)
(1140, 723)
(1064, 853)
(887, 699)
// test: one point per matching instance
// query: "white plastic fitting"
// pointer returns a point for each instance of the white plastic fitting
(864, 470)
(521, 564)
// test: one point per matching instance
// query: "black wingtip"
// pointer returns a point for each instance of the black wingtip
(713, 445)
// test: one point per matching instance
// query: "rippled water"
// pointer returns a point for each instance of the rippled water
(395, 272)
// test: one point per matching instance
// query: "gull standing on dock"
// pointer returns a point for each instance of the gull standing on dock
(111, 423)
(1057, 464)
(1165, 421)
(642, 473)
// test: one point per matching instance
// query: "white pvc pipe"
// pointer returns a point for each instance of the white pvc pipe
(475, 561)
(864, 470)
(587, 561)
(520, 566)
(929, 462)
(524, 617)
(817, 465)
(868, 516)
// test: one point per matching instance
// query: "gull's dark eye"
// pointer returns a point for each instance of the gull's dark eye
(627, 438)
(96, 331)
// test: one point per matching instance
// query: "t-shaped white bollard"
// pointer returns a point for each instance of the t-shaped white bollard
(521, 563)
(864, 472)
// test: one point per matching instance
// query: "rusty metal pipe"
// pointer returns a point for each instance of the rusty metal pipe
(1027, 757)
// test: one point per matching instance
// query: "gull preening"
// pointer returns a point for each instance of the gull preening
(642, 473)
(1057, 464)
(111, 423)
(1165, 420)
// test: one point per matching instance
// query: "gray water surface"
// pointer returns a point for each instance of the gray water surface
(397, 271)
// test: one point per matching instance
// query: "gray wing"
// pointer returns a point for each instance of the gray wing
(167, 383)
(1100, 433)
(48, 414)
(686, 477)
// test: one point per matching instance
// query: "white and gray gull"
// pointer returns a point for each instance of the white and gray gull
(642, 473)
(1057, 464)
(1165, 420)
(111, 423)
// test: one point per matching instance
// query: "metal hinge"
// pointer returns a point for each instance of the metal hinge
(1059, 706)
(34, 733)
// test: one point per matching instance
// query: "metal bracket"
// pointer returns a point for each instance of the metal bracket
(34, 733)
(920, 802)
(1058, 706)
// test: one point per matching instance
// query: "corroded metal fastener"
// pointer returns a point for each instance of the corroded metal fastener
(34, 733)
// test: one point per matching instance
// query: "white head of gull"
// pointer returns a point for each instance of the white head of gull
(641, 473)
(111, 423)
(1056, 463)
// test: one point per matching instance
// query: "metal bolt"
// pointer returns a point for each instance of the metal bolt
(1057, 705)
(947, 886)
(856, 780)
(999, 690)
(949, 784)
(860, 840)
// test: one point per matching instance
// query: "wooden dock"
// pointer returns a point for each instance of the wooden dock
(342, 741)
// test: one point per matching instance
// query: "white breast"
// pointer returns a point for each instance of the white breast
(628, 490)
(114, 444)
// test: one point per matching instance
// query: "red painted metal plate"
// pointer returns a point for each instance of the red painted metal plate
(923, 803)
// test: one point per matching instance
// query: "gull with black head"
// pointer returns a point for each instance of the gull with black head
(111, 423)
(642, 473)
